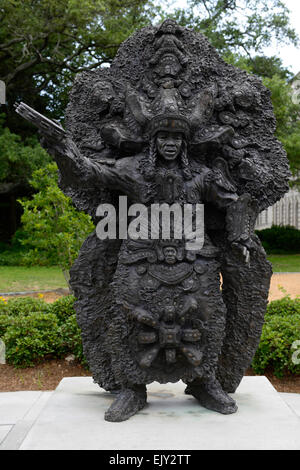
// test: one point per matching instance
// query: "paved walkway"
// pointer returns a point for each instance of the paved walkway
(19, 411)
(283, 284)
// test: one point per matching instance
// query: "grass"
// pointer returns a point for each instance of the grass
(21, 279)
(285, 263)
(36, 278)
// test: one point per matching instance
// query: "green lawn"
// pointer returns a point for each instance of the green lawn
(285, 263)
(21, 279)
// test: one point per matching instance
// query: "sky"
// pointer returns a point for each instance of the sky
(290, 55)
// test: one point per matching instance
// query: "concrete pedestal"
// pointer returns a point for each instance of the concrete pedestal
(73, 418)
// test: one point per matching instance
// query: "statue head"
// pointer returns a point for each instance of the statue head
(169, 144)
(170, 254)
(103, 93)
(168, 141)
(169, 26)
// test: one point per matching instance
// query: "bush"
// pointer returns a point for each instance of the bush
(284, 307)
(70, 339)
(29, 338)
(53, 230)
(63, 308)
(281, 329)
(11, 258)
(280, 240)
(33, 330)
(5, 321)
(23, 306)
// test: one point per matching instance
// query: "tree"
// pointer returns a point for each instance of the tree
(239, 25)
(53, 230)
(287, 114)
(44, 43)
(18, 159)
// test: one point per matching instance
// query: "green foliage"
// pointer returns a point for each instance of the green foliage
(23, 306)
(53, 230)
(44, 43)
(12, 254)
(268, 67)
(279, 239)
(11, 258)
(30, 338)
(281, 329)
(63, 308)
(33, 330)
(265, 67)
(243, 26)
(70, 339)
(287, 116)
(284, 307)
(18, 160)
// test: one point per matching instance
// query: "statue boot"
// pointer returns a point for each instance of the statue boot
(209, 393)
(128, 402)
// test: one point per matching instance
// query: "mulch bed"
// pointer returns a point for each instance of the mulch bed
(287, 384)
(48, 374)
(44, 376)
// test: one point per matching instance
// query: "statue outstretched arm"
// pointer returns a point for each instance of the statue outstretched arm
(76, 168)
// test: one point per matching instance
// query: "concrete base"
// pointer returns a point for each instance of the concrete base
(73, 419)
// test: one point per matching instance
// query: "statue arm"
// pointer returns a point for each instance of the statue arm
(75, 169)
(241, 211)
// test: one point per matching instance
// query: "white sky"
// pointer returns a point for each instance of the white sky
(290, 55)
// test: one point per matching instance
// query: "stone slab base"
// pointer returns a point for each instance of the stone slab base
(73, 418)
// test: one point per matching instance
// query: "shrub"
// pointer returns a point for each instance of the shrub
(70, 339)
(280, 240)
(23, 306)
(33, 330)
(281, 329)
(11, 258)
(63, 308)
(53, 230)
(284, 307)
(29, 338)
(13, 254)
(4, 323)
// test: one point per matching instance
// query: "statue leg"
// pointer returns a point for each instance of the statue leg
(212, 311)
(208, 391)
(128, 402)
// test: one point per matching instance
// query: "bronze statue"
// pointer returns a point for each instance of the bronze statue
(170, 122)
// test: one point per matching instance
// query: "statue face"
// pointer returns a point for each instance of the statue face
(169, 144)
(170, 254)
(103, 92)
